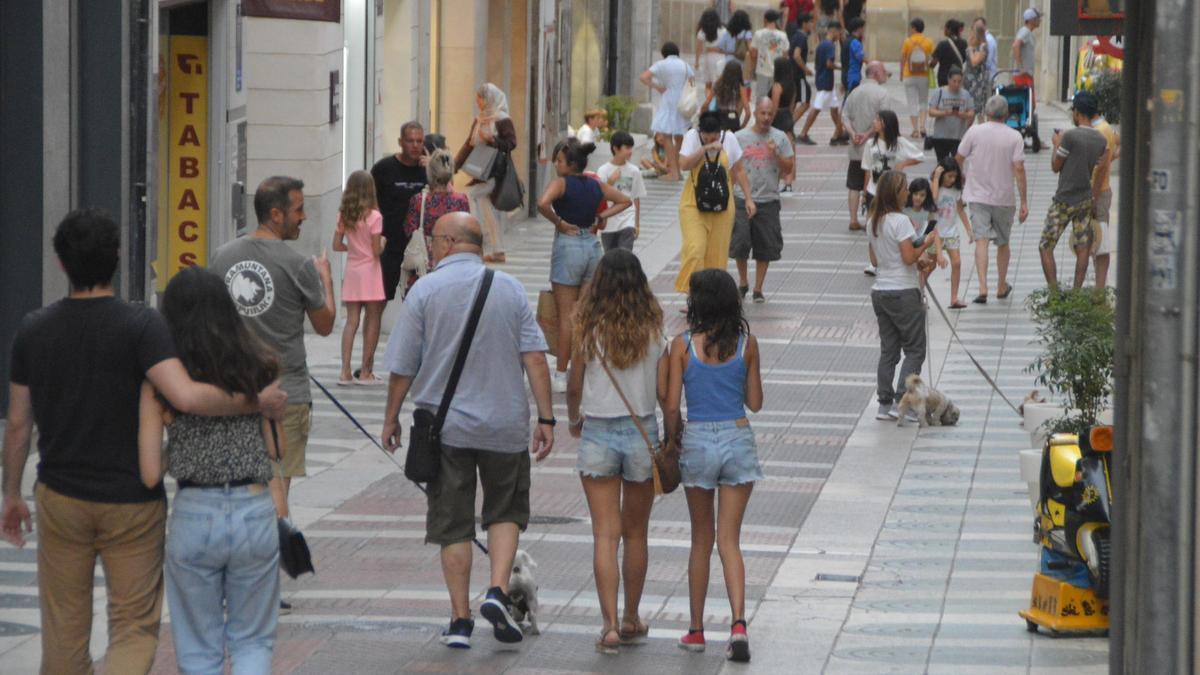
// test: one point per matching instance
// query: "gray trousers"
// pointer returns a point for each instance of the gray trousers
(901, 316)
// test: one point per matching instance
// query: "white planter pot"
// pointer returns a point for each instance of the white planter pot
(1037, 414)
(1105, 416)
(1031, 471)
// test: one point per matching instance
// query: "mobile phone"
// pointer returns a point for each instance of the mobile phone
(929, 228)
(955, 109)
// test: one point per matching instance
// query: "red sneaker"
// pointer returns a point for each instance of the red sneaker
(738, 649)
(693, 640)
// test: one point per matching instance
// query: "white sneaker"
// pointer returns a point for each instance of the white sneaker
(558, 382)
(869, 270)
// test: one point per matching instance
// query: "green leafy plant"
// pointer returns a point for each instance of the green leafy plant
(1076, 331)
(620, 114)
(1107, 88)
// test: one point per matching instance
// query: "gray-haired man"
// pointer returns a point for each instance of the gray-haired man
(992, 154)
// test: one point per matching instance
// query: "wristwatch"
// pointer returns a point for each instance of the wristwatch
(551, 421)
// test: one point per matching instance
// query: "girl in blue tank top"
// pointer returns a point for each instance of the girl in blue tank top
(715, 364)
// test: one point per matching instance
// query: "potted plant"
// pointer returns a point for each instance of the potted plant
(620, 114)
(1076, 331)
(1107, 88)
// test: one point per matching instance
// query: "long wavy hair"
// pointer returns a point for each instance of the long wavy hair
(618, 314)
(714, 310)
(210, 337)
(709, 24)
(358, 199)
(887, 197)
(728, 87)
(890, 133)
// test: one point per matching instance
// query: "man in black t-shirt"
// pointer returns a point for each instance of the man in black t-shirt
(397, 178)
(798, 48)
(77, 371)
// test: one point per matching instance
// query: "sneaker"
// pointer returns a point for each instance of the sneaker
(759, 298)
(910, 417)
(693, 640)
(743, 290)
(458, 635)
(893, 412)
(738, 649)
(285, 608)
(885, 412)
(805, 140)
(869, 270)
(558, 383)
(497, 610)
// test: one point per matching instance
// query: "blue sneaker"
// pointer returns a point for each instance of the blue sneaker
(496, 609)
(458, 635)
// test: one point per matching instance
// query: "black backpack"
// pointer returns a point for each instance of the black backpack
(712, 185)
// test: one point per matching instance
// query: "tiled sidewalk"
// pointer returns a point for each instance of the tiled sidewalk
(936, 523)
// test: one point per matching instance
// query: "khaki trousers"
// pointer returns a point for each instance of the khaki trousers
(129, 540)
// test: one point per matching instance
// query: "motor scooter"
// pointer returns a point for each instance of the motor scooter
(1070, 590)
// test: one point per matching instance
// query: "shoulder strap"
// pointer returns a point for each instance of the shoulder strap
(637, 422)
(464, 348)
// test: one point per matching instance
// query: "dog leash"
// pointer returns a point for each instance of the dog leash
(984, 373)
(377, 444)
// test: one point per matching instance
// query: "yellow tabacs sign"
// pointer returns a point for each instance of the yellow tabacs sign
(186, 170)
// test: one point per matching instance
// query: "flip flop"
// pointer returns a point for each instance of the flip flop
(958, 304)
(346, 383)
(980, 300)
(371, 381)
(1007, 292)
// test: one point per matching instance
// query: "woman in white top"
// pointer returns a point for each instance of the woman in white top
(886, 150)
(618, 320)
(710, 57)
(896, 252)
(668, 78)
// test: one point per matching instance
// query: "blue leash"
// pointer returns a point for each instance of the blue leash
(375, 441)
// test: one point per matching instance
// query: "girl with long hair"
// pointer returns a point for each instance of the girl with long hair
(359, 234)
(896, 251)
(947, 182)
(742, 33)
(728, 97)
(222, 550)
(618, 324)
(887, 149)
(783, 95)
(920, 209)
(709, 57)
(715, 363)
(494, 127)
(573, 202)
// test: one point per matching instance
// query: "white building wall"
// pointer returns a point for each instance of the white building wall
(286, 76)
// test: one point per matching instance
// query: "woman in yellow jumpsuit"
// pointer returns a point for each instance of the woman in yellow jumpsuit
(706, 234)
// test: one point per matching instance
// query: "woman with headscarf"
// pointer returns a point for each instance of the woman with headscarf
(491, 127)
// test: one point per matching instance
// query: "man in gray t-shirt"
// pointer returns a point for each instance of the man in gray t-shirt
(273, 288)
(766, 153)
(1078, 153)
(1025, 45)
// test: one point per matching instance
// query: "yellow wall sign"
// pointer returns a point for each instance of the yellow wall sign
(186, 169)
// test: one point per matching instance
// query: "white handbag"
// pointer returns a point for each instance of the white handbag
(689, 100)
(416, 253)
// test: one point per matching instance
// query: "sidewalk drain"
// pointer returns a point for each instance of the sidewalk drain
(846, 578)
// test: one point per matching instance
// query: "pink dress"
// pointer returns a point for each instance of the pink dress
(363, 278)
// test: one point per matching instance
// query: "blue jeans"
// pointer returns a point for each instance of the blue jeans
(718, 453)
(614, 447)
(223, 578)
(573, 260)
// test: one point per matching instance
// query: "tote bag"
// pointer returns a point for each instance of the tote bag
(689, 100)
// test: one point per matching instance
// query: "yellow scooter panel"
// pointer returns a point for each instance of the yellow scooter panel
(1064, 455)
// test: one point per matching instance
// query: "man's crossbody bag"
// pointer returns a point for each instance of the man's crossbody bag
(424, 460)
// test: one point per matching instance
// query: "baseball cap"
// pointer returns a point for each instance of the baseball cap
(1085, 102)
(1031, 14)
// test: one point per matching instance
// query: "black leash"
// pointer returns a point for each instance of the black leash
(984, 373)
(377, 444)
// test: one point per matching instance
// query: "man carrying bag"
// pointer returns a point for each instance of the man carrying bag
(485, 428)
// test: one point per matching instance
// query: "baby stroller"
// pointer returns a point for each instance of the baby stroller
(1022, 108)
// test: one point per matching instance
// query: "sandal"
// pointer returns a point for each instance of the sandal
(497, 258)
(343, 382)
(606, 646)
(369, 381)
(958, 304)
(980, 300)
(637, 635)
(1008, 289)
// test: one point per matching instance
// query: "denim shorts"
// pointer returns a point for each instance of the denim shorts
(614, 446)
(718, 453)
(573, 260)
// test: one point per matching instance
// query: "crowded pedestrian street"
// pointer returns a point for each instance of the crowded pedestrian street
(868, 548)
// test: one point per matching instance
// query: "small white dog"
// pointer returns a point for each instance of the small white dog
(522, 591)
(930, 406)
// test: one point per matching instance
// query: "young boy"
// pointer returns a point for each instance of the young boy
(825, 62)
(593, 123)
(853, 58)
(626, 226)
(799, 49)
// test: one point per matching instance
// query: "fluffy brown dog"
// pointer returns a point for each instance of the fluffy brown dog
(929, 405)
